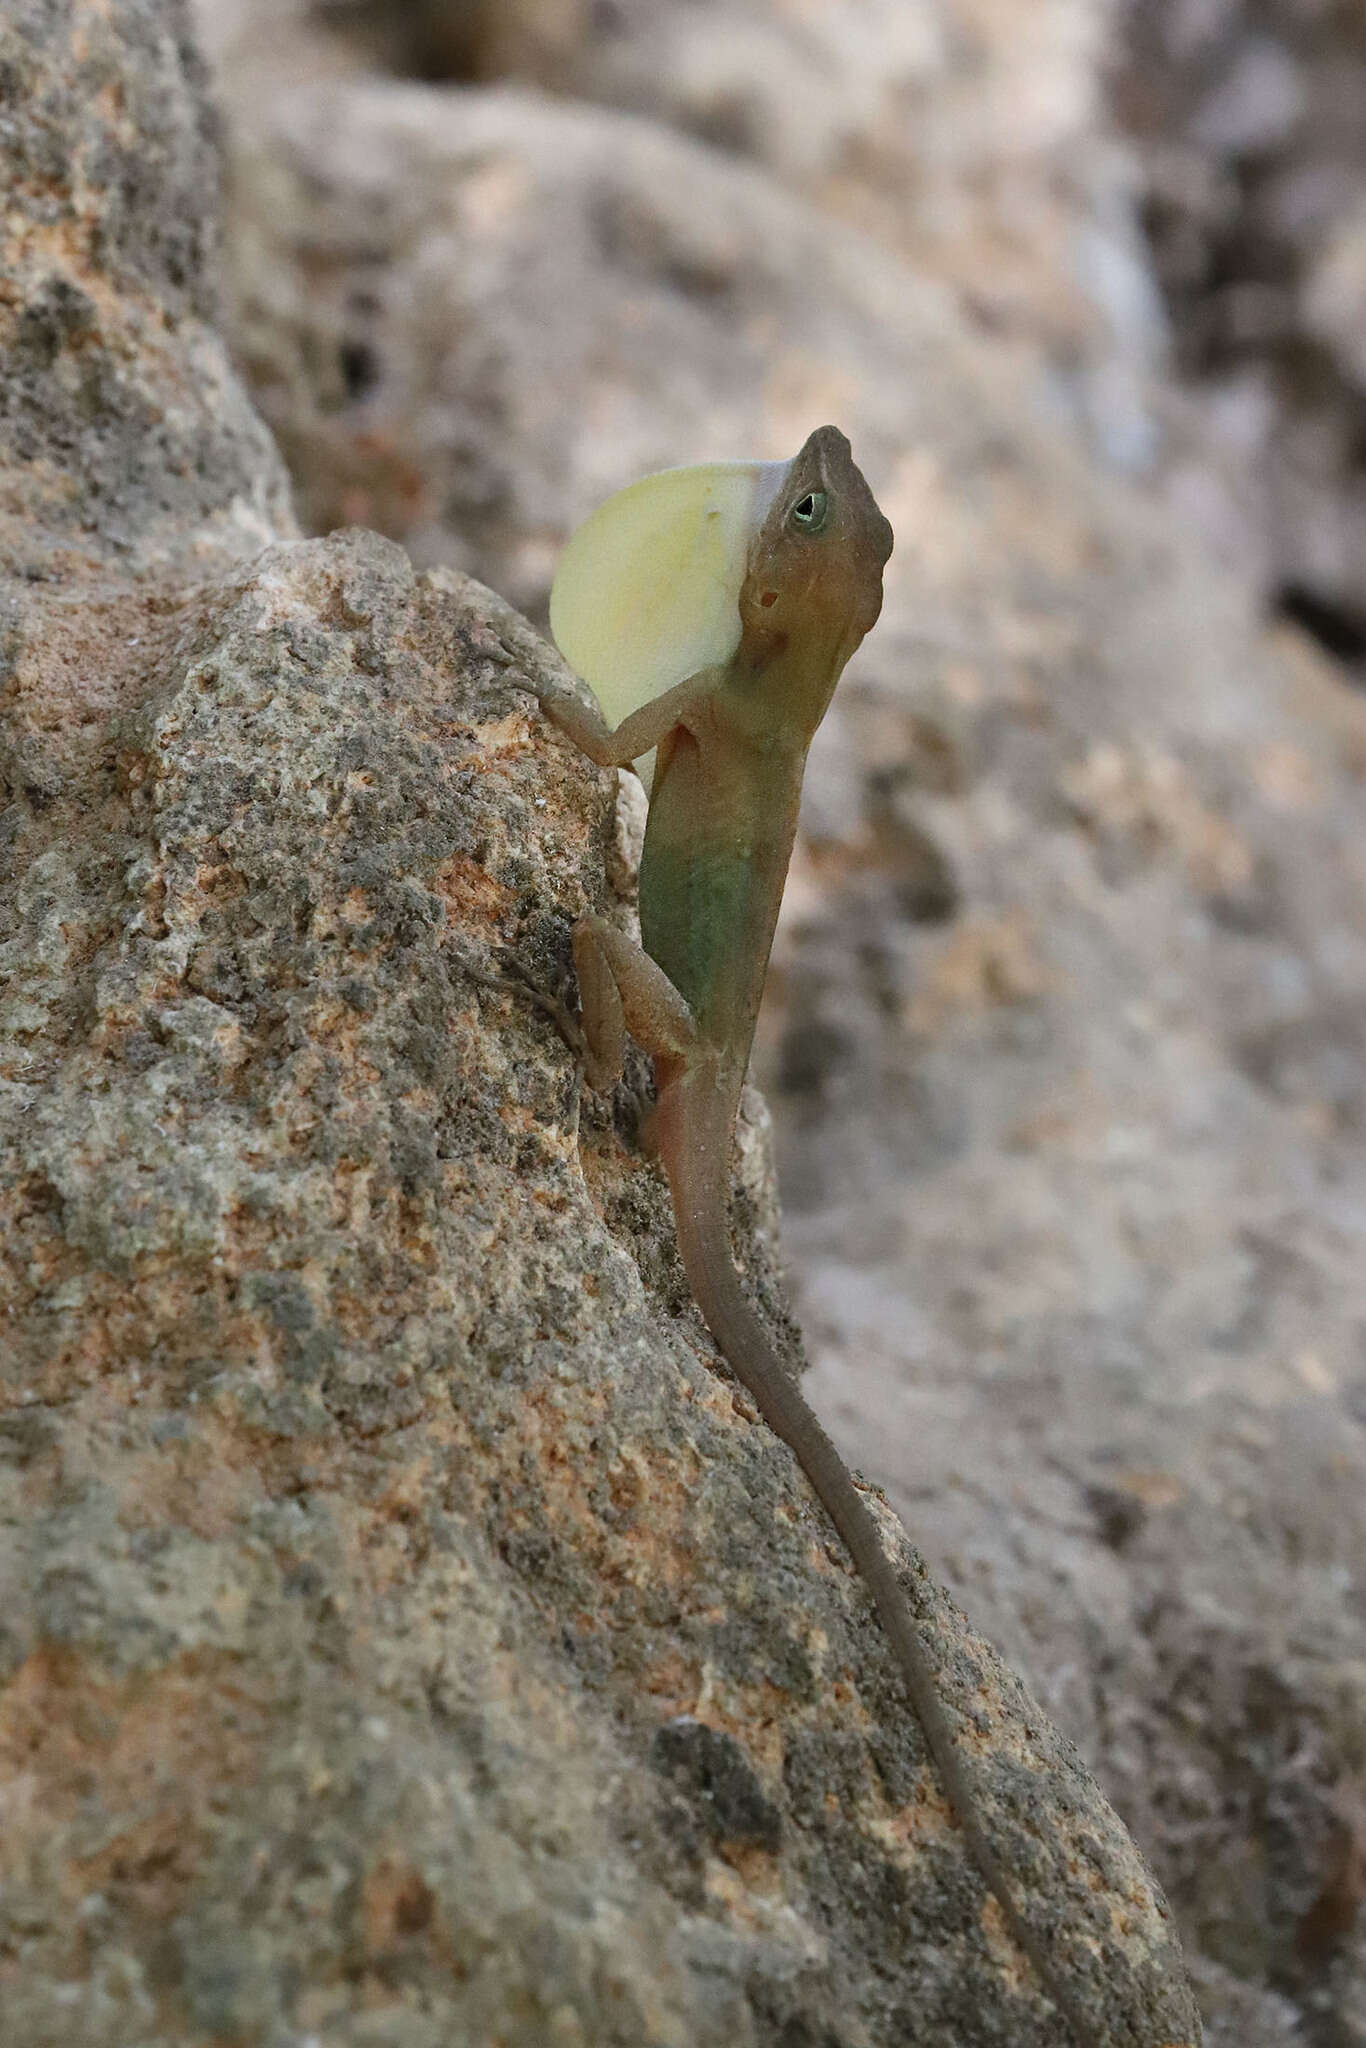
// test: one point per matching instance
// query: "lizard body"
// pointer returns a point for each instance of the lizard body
(731, 746)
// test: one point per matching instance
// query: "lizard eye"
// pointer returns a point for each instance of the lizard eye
(809, 512)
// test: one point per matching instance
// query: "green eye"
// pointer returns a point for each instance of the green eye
(809, 512)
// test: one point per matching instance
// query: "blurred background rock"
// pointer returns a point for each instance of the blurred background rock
(1066, 1037)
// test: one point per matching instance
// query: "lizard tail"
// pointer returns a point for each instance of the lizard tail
(694, 1121)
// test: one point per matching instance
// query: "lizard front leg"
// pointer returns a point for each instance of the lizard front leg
(617, 746)
(621, 988)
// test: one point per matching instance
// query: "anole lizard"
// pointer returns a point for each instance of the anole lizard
(776, 572)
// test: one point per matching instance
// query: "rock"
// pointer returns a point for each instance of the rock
(1247, 123)
(123, 427)
(407, 1635)
(971, 140)
(1335, 295)
(1065, 1038)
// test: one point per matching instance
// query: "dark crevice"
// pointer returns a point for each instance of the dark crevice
(1244, 120)
(1339, 629)
(438, 42)
(359, 368)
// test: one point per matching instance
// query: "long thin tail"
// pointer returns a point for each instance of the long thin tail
(695, 1144)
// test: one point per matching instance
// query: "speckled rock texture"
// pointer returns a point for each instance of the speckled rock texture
(1248, 118)
(407, 1634)
(126, 437)
(1133, 185)
(1065, 1044)
(969, 135)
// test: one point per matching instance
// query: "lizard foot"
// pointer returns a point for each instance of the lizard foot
(561, 1016)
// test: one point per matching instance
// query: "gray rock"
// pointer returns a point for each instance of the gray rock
(117, 408)
(973, 141)
(407, 1634)
(1335, 294)
(1247, 120)
(1066, 1037)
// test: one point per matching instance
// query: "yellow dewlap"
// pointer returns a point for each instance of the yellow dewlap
(648, 588)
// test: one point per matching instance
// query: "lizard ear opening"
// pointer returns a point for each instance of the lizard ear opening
(648, 589)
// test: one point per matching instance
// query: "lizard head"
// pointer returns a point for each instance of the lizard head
(725, 561)
(814, 571)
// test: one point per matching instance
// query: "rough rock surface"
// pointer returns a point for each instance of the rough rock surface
(1031, 153)
(1067, 1038)
(1133, 186)
(1249, 120)
(967, 136)
(406, 1634)
(970, 138)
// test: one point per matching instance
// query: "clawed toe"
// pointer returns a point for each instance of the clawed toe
(558, 1011)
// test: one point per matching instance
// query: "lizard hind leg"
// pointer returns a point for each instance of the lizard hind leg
(602, 1018)
(622, 989)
